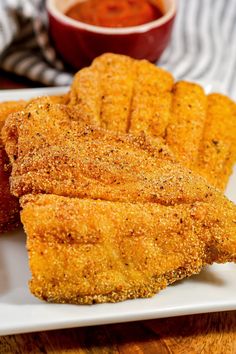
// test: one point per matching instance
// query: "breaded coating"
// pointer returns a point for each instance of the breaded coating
(188, 116)
(52, 152)
(123, 94)
(86, 95)
(85, 251)
(61, 99)
(151, 102)
(136, 96)
(218, 145)
(8, 107)
(9, 205)
(117, 91)
(108, 216)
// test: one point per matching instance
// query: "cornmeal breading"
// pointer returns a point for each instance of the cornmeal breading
(84, 251)
(86, 95)
(109, 216)
(117, 92)
(122, 94)
(151, 101)
(186, 124)
(217, 151)
(9, 205)
(52, 152)
(117, 88)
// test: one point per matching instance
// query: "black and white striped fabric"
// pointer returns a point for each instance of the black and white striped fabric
(25, 47)
(202, 49)
(203, 45)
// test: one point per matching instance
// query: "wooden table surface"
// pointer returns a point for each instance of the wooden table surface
(206, 333)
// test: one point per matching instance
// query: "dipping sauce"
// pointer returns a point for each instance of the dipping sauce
(115, 13)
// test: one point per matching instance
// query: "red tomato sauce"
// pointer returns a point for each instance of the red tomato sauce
(115, 13)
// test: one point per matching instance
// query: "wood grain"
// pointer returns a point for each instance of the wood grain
(206, 334)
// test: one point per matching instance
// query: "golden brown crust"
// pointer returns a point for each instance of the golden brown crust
(52, 152)
(188, 115)
(113, 216)
(86, 251)
(217, 151)
(85, 94)
(9, 205)
(152, 99)
(123, 94)
(116, 89)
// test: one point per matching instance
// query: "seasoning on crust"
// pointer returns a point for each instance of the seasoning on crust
(109, 216)
(122, 94)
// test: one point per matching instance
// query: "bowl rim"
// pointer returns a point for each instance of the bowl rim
(53, 11)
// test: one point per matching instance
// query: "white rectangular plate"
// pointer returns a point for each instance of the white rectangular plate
(212, 290)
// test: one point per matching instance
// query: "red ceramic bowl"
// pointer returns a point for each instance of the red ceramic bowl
(79, 43)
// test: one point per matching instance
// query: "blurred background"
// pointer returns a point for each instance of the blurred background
(202, 47)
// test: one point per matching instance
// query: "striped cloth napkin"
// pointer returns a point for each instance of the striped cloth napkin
(25, 47)
(202, 49)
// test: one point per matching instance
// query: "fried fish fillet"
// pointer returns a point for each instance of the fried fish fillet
(217, 151)
(9, 205)
(127, 95)
(53, 152)
(109, 216)
(85, 251)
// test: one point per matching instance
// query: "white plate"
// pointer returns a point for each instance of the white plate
(213, 290)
